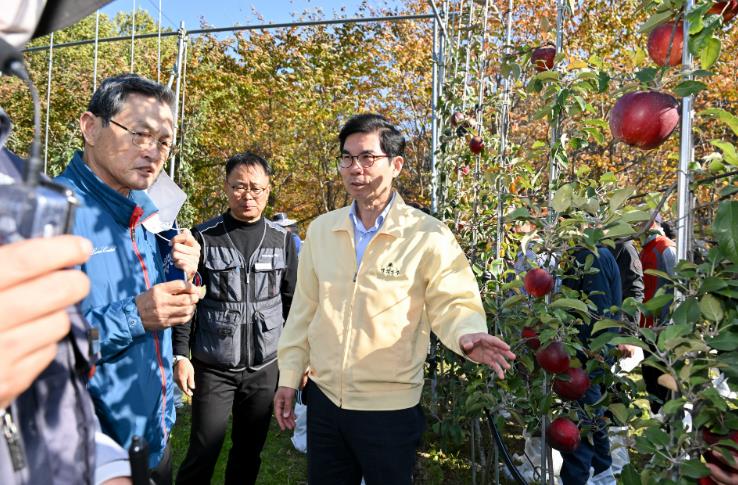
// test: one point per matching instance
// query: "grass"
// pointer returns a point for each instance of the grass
(281, 464)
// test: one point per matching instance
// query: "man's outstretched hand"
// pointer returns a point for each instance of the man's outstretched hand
(487, 349)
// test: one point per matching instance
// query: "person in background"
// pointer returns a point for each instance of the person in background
(249, 267)
(658, 253)
(603, 286)
(127, 132)
(291, 226)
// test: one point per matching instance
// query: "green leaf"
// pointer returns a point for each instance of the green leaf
(673, 332)
(635, 216)
(655, 304)
(654, 21)
(658, 437)
(618, 340)
(619, 411)
(606, 323)
(570, 303)
(694, 469)
(710, 52)
(601, 340)
(674, 405)
(688, 311)
(562, 198)
(712, 284)
(618, 197)
(729, 152)
(725, 229)
(630, 476)
(727, 341)
(647, 75)
(688, 88)
(660, 274)
(725, 116)
(618, 230)
(711, 308)
(513, 300)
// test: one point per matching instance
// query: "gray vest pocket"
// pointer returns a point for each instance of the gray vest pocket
(217, 342)
(267, 270)
(224, 271)
(267, 327)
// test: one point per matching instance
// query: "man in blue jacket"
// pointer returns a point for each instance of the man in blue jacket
(128, 134)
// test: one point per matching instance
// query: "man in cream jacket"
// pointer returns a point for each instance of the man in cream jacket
(367, 274)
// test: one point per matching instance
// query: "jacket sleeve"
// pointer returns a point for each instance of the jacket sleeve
(452, 302)
(119, 324)
(631, 273)
(289, 278)
(181, 334)
(293, 349)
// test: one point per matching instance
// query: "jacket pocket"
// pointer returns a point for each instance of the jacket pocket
(217, 339)
(268, 278)
(225, 279)
(267, 326)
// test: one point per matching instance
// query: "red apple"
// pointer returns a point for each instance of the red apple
(574, 388)
(457, 118)
(476, 145)
(538, 282)
(531, 338)
(661, 38)
(563, 435)
(543, 57)
(465, 170)
(705, 481)
(727, 9)
(553, 358)
(644, 119)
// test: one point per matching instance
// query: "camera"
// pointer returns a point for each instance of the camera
(43, 210)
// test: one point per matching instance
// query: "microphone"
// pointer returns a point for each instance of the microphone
(11, 63)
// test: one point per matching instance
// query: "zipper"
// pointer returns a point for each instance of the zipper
(12, 437)
(135, 216)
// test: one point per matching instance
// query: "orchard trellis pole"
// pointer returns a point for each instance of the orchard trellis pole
(686, 152)
(180, 59)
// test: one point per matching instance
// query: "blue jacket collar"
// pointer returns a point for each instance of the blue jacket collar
(127, 211)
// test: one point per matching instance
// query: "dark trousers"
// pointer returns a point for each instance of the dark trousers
(162, 473)
(657, 394)
(575, 470)
(246, 394)
(344, 445)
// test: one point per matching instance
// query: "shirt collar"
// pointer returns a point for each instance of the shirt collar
(353, 214)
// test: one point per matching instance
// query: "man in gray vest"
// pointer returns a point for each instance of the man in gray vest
(249, 266)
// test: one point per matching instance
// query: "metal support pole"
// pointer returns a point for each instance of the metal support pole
(97, 38)
(133, 33)
(504, 127)
(480, 115)
(158, 48)
(48, 102)
(182, 110)
(434, 119)
(686, 153)
(180, 52)
(553, 172)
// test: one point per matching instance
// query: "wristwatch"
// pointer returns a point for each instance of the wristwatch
(176, 359)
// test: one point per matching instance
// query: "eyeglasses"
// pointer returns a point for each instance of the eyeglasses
(366, 160)
(146, 140)
(240, 189)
